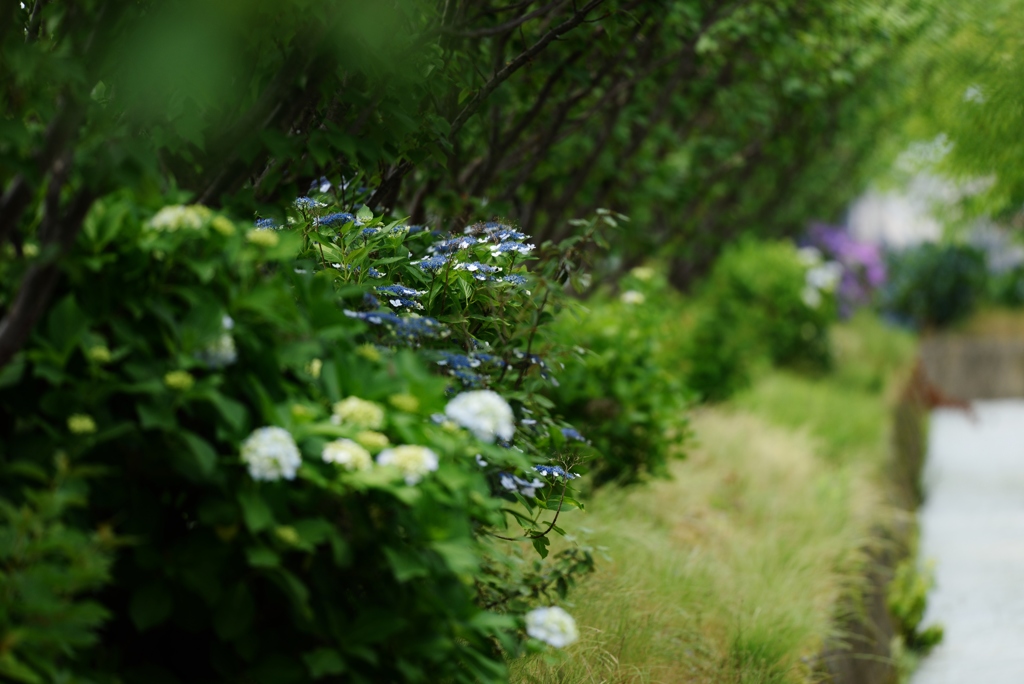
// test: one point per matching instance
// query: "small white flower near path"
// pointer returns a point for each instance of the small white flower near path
(972, 526)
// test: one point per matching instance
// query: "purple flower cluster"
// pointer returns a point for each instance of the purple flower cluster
(863, 264)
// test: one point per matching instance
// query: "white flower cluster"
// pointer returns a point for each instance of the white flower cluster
(552, 625)
(271, 454)
(821, 276)
(176, 216)
(358, 412)
(222, 352)
(414, 462)
(484, 413)
(347, 454)
(632, 297)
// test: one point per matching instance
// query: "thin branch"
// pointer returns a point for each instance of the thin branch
(531, 535)
(521, 60)
(32, 32)
(58, 229)
(508, 25)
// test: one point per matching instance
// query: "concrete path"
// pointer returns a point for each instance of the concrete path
(972, 526)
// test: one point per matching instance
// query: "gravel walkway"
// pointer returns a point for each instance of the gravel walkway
(972, 526)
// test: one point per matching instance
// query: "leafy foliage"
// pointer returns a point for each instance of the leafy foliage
(935, 285)
(175, 336)
(907, 599)
(762, 301)
(622, 388)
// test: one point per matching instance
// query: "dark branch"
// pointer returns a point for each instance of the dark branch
(521, 60)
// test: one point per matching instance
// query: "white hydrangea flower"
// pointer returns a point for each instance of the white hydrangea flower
(826, 276)
(552, 625)
(484, 413)
(632, 297)
(177, 216)
(222, 352)
(643, 273)
(413, 461)
(358, 412)
(809, 256)
(811, 297)
(271, 454)
(347, 454)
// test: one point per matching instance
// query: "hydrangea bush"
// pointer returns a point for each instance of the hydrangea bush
(763, 301)
(313, 447)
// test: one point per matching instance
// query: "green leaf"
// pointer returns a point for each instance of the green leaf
(156, 417)
(255, 511)
(233, 412)
(323, 662)
(12, 372)
(151, 604)
(542, 544)
(404, 565)
(67, 322)
(206, 455)
(18, 671)
(364, 214)
(262, 557)
(235, 612)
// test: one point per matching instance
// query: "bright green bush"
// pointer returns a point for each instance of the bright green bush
(763, 300)
(1007, 288)
(213, 550)
(907, 599)
(935, 285)
(623, 388)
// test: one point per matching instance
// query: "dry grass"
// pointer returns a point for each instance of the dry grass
(995, 322)
(732, 572)
(728, 573)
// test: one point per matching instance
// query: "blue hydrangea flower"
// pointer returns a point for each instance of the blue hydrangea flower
(369, 231)
(514, 483)
(339, 217)
(432, 263)
(451, 245)
(480, 271)
(266, 223)
(420, 326)
(573, 434)
(374, 317)
(490, 358)
(492, 227)
(514, 279)
(409, 329)
(308, 203)
(403, 303)
(370, 302)
(374, 273)
(554, 471)
(399, 291)
(458, 361)
(322, 185)
(508, 247)
(468, 378)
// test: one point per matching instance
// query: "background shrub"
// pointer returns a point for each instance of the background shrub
(623, 388)
(934, 285)
(762, 301)
(1007, 287)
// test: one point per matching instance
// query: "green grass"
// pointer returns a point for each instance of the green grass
(733, 571)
